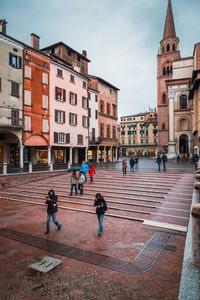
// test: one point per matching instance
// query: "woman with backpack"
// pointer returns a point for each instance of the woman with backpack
(101, 207)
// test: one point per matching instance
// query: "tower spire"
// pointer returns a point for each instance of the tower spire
(169, 30)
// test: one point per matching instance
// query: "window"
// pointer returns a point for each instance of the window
(155, 141)
(45, 78)
(27, 123)
(79, 139)
(89, 95)
(96, 98)
(142, 118)
(163, 126)
(84, 85)
(101, 108)
(15, 61)
(183, 102)
(27, 72)
(114, 132)
(141, 132)
(96, 114)
(101, 130)
(59, 116)
(108, 131)
(168, 71)
(141, 141)
(84, 102)
(171, 70)
(61, 138)
(27, 57)
(168, 47)
(44, 101)
(14, 89)
(122, 132)
(60, 94)
(134, 142)
(110, 91)
(155, 132)
(164, 98)
(85, 121)
(129, 142)
(67, 138)
(108, 108)
(89, 112)
(15, 117)
(174, 47)
(45, 126)
(147, 132)
(164, 71)
(72, 98)
(73, 119)
(163, 49)
(147, 141)
(72, 79)
(122, 142)
(129, 132)
(27, 97)
(114, 110)
(59, 72)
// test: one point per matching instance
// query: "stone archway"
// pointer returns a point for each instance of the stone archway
(183, 144)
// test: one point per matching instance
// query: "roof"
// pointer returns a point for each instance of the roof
(65, 45)
(89, 88)
(169, 30)
(137, 115)
(104, 81)
(195, 47)
(183, 58)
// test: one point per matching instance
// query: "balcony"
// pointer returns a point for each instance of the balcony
(94, 140)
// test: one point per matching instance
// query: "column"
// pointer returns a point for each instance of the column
(65, 152)
(111, 153)
(97, 154)
(21, 159)
(5, 152)
(76, 155)
(49, 155)
(171, 144)
(70, 155)
(116, 155)
(104, 154)
(86, 154)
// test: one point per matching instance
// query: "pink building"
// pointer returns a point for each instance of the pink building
(68, 114)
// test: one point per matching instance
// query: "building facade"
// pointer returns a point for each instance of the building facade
(93, 101)
(139, 134)
(107, 118)
(11, 99)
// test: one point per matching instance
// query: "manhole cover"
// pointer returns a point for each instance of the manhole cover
(46, 264)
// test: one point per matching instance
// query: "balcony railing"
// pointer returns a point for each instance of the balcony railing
(94, 140)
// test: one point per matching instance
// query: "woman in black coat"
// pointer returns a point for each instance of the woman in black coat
(101, 205)
(51, 201)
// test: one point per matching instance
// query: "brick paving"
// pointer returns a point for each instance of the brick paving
(163, 199)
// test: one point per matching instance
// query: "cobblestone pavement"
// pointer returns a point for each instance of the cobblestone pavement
(139, 255)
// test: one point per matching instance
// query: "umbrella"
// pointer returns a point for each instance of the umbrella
(162, 151)
(74, 169)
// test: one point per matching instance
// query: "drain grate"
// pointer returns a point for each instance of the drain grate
(141, 264)
(46, 264)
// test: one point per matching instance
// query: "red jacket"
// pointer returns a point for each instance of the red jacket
(91, 170)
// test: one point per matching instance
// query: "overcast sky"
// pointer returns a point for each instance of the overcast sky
(121, 37)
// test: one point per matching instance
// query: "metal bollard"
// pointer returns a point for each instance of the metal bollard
(4, 168)
(51, 166)
(30, 167)
(196, 234)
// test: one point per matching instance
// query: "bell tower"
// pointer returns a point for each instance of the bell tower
(168, 51)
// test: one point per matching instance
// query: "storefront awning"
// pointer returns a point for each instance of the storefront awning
(36, 140)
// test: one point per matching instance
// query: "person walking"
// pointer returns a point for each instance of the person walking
(132, 164)
(84, 169)
(73, 181)
(51, 201)
(101, 207)
(178, 159)
(81, 180)
(158, 162)
(124, 166)
(164, 159)
(91, 172)
(136, 162)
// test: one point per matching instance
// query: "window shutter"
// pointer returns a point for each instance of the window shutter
(67, 138)
(87, 103)
(75, 99)
(64, 95)
(70, 118)
(63, 116)
(83, 121)
(82, 101)
(10, 59)
(19, 62)
(76, 119)
(55, 137)
(56, 92)
(56, 115)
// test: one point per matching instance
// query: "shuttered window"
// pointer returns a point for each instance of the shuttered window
(27, 97)
(55, 137)
(27, 123)
(14, 89)
(45, 78)
(45, 126)
(60, 94)
(44, 101)
(61, 138)
(27, 72)
(73, 119)
(96, 114)
(15, 61)
(67, 138)
(72, 98)
(84, 102)
(15, 117)
(59, 116)
(85, 121)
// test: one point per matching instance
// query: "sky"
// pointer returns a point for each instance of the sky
(121, 37)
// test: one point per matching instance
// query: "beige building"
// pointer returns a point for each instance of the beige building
(11, 99)
(139, 134)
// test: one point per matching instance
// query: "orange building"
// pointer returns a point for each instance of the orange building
(36, 104)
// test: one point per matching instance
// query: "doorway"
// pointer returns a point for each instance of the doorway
(183, 144)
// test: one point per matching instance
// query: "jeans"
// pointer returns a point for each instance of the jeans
(100, 219)
(136, 165)
(159, 167)
(73, 185)
(91, 179)
(131, 169)
(80, 188)
(124, 170)
(84, 173)
(54, 220)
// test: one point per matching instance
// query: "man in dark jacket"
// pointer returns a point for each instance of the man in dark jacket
(101, 205)
(164, 159)
(132, 163)
(51, 201)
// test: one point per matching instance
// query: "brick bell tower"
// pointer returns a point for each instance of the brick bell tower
(168, 51)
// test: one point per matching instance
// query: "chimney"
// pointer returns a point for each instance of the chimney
(3, 26)
(35, 41)
(84, 53)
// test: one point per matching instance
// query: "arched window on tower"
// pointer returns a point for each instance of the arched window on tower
(174, 47)
(168, 47)
(168, 71)
(183, 102)
(163, 49)
(171, 70)
(164, 71)
(164, 98)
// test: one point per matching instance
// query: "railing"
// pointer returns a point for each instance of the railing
(94, 140)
